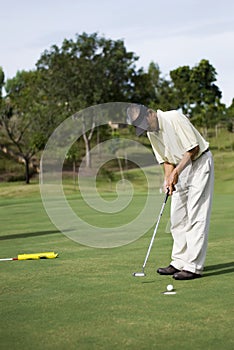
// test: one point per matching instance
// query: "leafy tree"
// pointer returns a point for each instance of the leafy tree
(153, 90)
(2, 77)
(1, 81)
(146, 85)
(91, 70)
(24, 130)
(164, 98)
(196, 93)
(181, 80)
(230, 117)
(87, 71)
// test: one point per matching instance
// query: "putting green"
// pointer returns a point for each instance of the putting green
(88, 299)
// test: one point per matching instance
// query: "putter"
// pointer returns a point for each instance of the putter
(142, 273)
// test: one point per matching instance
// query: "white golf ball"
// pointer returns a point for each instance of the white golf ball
(170, 287)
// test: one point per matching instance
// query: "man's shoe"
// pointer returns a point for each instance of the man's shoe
(185, 275)
(169, 270)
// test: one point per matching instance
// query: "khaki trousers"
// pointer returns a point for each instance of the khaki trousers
(190, 214)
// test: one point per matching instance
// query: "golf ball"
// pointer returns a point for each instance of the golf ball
(170, 287)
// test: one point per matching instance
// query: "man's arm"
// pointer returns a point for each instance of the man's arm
(172, 173)
(168, 169)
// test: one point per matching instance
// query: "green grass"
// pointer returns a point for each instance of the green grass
(87, 298)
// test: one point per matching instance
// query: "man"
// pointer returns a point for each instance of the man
(189, 176)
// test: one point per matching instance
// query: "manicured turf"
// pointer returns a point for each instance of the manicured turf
(88, 299)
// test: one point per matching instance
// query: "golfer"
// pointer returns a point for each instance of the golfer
(189, 176)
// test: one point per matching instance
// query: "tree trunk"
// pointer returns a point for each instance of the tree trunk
(87, 140)
(87, 152)
(74, 173)
(27, 175)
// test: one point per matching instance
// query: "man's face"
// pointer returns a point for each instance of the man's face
(143, 119)
(152, 120)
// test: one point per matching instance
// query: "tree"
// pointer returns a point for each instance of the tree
(1, 82)
(146, 85)
(153, 90)
(196, 93)
(87, 71)
(230, 117)
(163, 97)
(24, 130)
(2, 77)
(181, 80)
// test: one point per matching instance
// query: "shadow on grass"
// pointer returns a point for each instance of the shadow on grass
(28, 234)
(219, 269)
(146, 282)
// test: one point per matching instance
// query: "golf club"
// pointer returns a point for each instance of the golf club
(142, 273)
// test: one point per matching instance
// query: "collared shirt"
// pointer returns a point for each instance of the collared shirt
(176, 136)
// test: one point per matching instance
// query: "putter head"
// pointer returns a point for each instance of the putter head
(139, 274)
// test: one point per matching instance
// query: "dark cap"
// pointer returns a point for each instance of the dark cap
(137, 116)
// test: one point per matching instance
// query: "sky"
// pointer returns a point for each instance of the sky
(171, 33)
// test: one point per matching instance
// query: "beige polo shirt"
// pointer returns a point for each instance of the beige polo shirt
(176, 136)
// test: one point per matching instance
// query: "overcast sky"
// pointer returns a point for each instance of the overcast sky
(171, 33)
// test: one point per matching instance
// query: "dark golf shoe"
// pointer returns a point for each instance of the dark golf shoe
(185, 275)
(169, 270)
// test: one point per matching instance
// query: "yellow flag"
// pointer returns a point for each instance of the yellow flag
(35, 256)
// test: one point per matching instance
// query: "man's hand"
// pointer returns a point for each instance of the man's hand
(170, 182)
(169, 187)
(172, 172)
(173, 179)
(169, 169)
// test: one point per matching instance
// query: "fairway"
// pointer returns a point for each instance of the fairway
(88, 299)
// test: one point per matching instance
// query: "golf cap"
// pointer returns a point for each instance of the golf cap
(136, 116)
